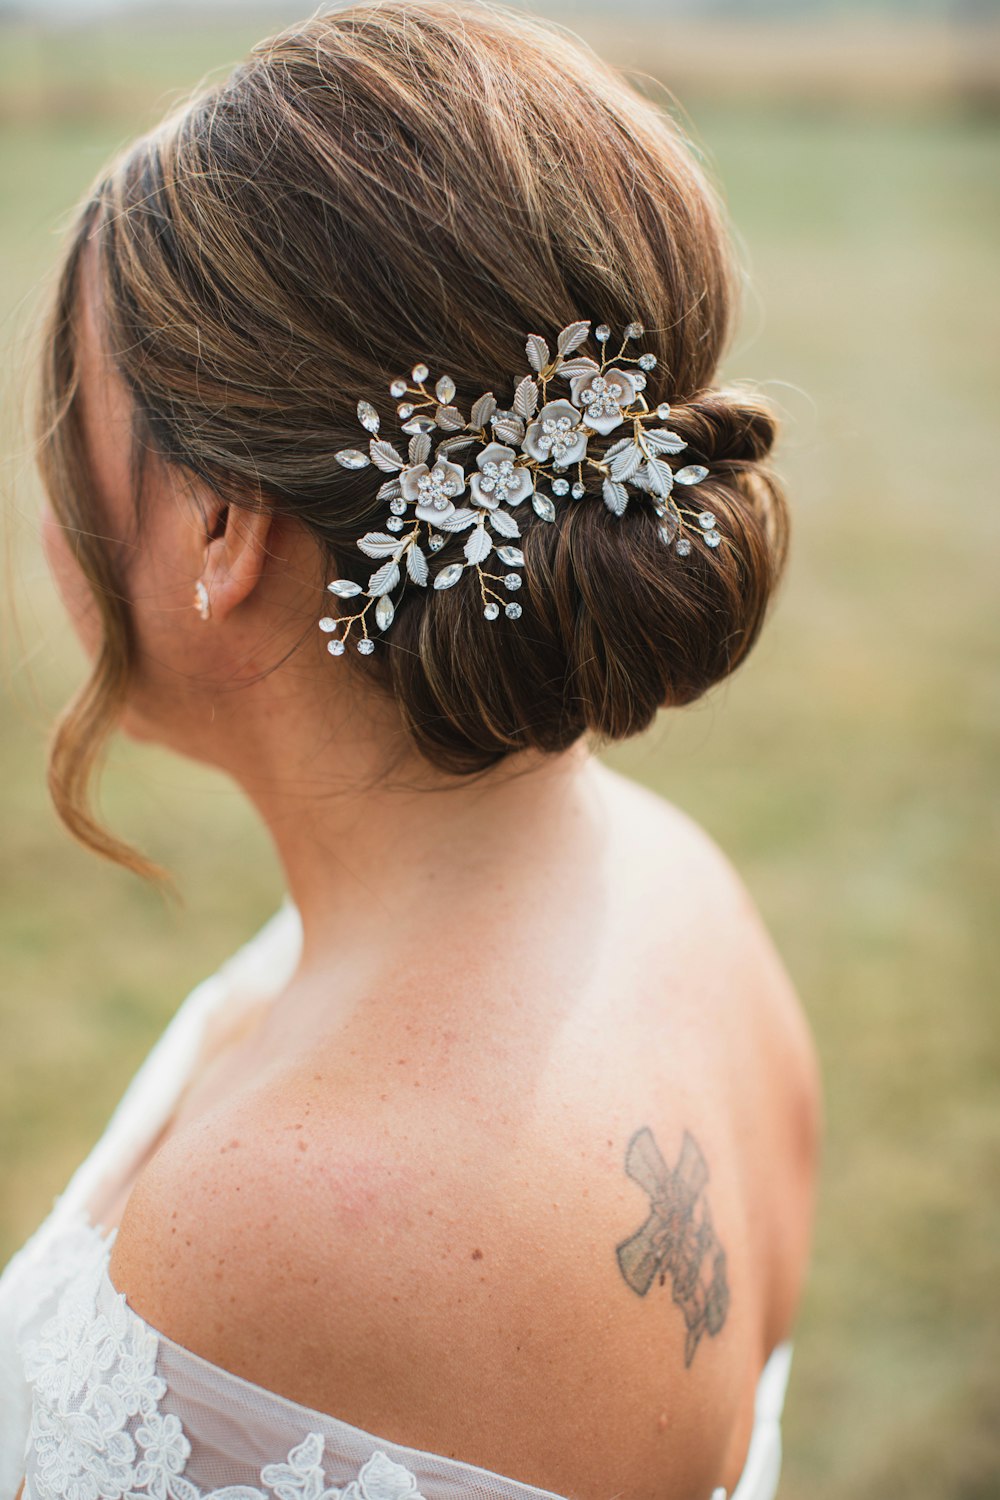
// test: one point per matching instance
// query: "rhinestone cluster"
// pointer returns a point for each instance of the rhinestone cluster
(539, 449)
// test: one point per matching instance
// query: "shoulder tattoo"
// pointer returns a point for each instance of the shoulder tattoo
(678, 1239)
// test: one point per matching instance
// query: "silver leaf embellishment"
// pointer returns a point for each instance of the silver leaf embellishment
(379, 544)
(512, 556)
(384, 579)
(615, 496)
(419, 450)
(483, 410)
(509, 428)
(416, 565)
(478, 546)
(526, 397)
(344, 588)
(625, 463)
(459, 520)
(572, 336)
(385, 612)
(449, 418)
(662, 440)
(659, 477)
(691, 474)
(503, 522)
(582, 365)
(389, 491)
(384, 455)
(537, 351)
(453, 444)
(447, 576)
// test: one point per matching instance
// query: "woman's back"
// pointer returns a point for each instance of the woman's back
(416, 1213)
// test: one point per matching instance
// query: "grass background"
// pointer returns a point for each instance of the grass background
(849, 768)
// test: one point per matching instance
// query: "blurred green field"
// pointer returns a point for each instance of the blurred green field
(849, 768)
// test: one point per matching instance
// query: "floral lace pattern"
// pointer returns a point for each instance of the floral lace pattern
(98, 1433)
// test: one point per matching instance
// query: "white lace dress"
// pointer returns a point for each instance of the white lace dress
(97, 1405)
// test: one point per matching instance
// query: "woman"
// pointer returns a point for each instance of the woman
(487, 1166)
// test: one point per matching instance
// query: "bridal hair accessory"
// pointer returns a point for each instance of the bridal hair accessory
(536, 452)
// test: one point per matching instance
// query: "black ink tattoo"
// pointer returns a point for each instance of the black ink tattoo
(677, 1237)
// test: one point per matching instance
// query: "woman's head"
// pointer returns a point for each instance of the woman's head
(404, 180)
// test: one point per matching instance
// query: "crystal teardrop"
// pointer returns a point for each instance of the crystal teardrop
(384, 612)
(691, 474)
(445, 390)
(352, 458)
(368, 416)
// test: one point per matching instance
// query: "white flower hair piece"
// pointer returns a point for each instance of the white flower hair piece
(509, 457)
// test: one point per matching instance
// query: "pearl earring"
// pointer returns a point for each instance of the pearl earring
(201, 600)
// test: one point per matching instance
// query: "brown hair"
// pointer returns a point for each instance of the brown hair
(422, 180)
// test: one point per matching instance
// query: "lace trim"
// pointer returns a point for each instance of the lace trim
(97, 1431)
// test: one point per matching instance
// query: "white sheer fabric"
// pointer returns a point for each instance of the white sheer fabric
(97, 1405)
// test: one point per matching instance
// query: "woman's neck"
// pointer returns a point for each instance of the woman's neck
(377, 858)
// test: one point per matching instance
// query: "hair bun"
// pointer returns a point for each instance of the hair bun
(726, 425)
(616, 625)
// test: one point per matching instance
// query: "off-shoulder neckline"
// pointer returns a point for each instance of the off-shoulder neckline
(769, 1395)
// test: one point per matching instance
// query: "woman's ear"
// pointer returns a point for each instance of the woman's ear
(234, 554)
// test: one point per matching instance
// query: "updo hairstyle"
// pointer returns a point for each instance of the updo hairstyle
(420, 180)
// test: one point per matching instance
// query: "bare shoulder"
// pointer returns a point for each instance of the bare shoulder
(750, 1005)
(676, 852)
(457, 1243)
(422, 1282)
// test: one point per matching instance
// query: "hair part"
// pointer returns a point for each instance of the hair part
(421, 180)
